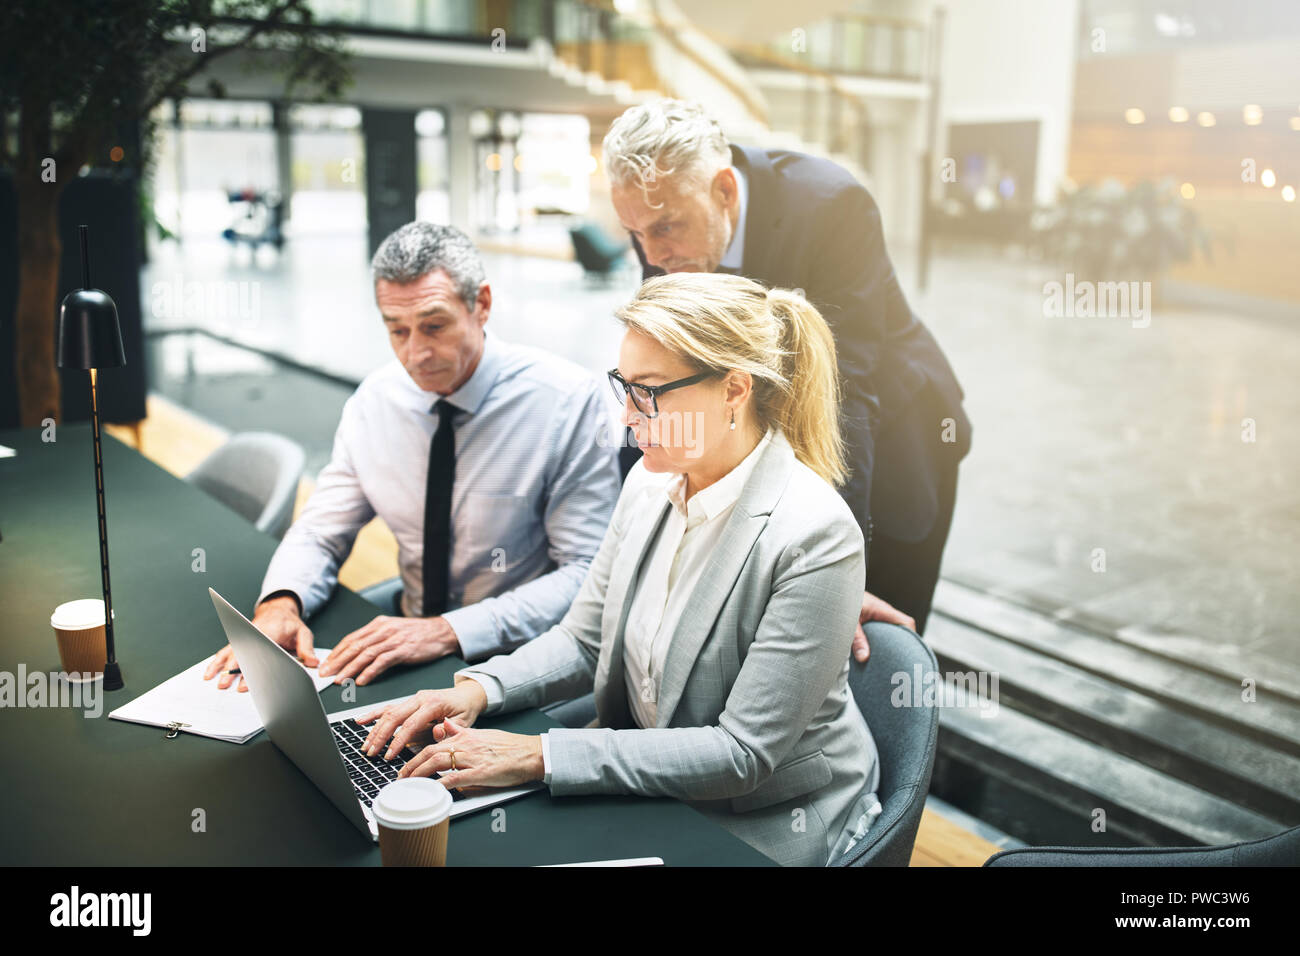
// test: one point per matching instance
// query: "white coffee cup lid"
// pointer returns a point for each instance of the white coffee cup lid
(79, 615)
(412, 803)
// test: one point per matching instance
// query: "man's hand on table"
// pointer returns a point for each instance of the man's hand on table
(876, 609)
(278, 619)
(370, 650)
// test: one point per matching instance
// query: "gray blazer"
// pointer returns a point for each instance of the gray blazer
(757, 728)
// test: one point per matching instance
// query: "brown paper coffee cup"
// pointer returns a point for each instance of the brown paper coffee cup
(423, 847)
(414, 819)
(80, 634)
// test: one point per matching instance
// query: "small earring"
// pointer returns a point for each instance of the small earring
(733, 419)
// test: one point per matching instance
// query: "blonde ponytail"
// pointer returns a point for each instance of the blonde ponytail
(726, 322)
(809, 411)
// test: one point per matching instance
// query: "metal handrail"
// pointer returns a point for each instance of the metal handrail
(655, 21)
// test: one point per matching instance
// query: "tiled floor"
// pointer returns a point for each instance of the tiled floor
(1090, 435)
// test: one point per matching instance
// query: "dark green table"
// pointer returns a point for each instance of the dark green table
(81, 791)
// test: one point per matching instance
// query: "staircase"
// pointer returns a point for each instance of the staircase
(1086, 722)
(655, 50)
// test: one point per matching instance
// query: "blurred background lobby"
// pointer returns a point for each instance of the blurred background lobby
(1126, 544)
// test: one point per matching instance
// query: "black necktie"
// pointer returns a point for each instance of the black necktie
(437, 511)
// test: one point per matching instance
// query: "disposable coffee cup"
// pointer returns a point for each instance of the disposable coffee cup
(414, 816)
(79, 632)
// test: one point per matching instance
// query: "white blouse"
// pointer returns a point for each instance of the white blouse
(672, 567)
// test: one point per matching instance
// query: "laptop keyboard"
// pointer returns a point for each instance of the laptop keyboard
(369, 774)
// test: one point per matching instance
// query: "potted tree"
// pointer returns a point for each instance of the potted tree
(73, 74)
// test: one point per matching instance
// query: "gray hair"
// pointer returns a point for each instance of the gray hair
(663, 138)
(419, 248)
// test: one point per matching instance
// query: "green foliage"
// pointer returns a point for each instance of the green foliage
(71, 71)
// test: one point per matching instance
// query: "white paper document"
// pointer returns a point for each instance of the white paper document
(634, 861)
(200, 708)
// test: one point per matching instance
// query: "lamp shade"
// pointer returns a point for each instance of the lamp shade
(89, 333)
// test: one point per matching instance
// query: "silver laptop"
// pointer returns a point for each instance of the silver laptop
(325, 747)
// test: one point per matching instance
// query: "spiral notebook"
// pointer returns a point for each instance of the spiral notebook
(191, 705)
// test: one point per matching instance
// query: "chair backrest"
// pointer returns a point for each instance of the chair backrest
(595, 250)
(583, 250)
(906, 740)
(1282, 849)
(256, 474)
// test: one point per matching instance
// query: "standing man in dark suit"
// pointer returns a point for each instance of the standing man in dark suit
(693, 203)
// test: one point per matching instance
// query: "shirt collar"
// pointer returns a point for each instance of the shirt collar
(735, 256)
(470, 395)
(722, 494)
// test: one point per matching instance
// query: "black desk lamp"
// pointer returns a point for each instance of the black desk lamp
(90, 338)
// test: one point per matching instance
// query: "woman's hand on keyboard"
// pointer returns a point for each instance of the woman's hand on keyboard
(477, 757)
(398, 724)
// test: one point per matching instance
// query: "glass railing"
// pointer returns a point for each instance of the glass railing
(588, 34)
(559, 21)
(850, 45)
(1132, 27)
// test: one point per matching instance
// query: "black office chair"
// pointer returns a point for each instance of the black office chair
(906, 740)
(1282, 849)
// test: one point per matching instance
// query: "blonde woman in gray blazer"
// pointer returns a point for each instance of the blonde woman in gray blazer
(715, 622)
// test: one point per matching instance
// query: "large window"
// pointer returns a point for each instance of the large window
(223, 150)
(329, 184)
(1109, 27)
(433, 176)
(529, 167)
(222, 147)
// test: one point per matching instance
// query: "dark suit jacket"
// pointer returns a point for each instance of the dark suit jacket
(810, 225)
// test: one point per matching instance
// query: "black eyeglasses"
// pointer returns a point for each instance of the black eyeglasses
(646, 397)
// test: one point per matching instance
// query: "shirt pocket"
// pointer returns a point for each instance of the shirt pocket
(501, 530)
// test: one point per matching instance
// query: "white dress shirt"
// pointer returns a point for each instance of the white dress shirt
(735, 255)
(672, 567)
(675, 561)
(536, 483)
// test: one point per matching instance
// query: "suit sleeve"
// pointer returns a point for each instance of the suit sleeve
(793, 663)
(853, 283)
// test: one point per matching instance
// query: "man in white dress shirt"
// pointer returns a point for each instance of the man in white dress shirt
(504, 508)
